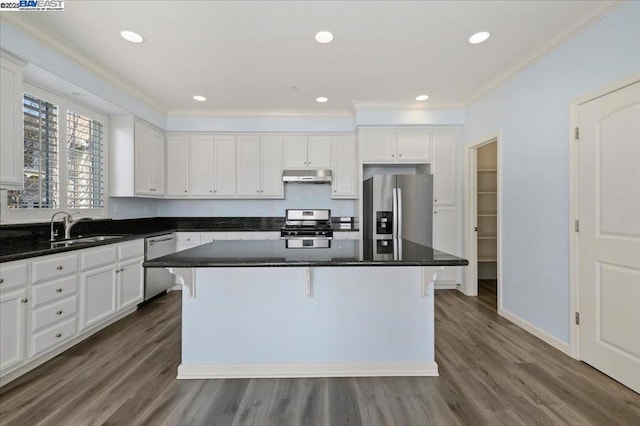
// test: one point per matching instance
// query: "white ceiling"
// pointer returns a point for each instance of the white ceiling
(246, 55)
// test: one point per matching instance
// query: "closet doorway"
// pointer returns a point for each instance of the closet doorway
(483, 278)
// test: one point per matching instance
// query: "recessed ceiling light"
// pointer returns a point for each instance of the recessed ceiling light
(131, 36)
(199, 98)
(422, 97)
(324, 37)
(322, 99)
(479, 37)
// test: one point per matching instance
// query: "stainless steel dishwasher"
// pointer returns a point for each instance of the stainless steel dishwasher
(158, 280)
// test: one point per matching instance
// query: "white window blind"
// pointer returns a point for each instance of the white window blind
(64, 160)
(85, 174)
(41, 171)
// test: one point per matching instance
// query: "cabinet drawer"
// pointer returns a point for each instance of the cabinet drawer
(48, 292)
(54, 267)
(131, 250)
(51, 314)
(13, 275)
(94, 258)
(46, 339)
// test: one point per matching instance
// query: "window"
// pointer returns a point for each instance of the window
(64, 160)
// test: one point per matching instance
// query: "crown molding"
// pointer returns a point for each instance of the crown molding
(201, 112)
(52, 41)
(406, 105)
(580, 24)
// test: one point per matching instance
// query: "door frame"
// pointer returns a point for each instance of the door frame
(471, 213)
(574, 255)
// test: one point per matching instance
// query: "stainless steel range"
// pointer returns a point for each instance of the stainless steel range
(307, 229)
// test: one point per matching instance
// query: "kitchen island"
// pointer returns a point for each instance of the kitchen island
(258, 309)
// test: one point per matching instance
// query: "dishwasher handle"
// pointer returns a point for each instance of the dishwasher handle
(152, 242)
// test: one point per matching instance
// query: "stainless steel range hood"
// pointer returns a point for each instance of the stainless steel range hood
(306, 176)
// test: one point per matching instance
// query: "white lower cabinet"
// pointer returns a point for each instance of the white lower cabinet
(13, 319)
(50, 300)
(98, 301)
(130, 277)
(446, 237)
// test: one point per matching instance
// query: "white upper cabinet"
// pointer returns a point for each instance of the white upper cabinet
(259, 161)
(11, 128)
(302, 152)
(395, 145)
(345, 175)
(201, 166)
(136, 158)
(444, 168)
(224, 166)
(177, 166)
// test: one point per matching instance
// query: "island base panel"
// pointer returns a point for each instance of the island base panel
(308, 322)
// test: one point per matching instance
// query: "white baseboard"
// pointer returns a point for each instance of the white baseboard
(238, 371)
(539, 333)
(444, 285)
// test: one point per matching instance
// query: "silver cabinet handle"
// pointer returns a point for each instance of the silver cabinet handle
(59, 267)
(58, 312)
(185, 191)
(58, 290)
(25, 300)
(121, 269)
(1, 280)
(399, 155)
(117, 271)
(160, 240)
(393, 155)
(59, 335)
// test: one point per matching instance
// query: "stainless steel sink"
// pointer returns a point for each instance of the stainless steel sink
(84, 240)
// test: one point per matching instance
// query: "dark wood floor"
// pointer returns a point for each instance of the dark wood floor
(491, 373)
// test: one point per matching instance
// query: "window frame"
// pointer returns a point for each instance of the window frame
(64, 105)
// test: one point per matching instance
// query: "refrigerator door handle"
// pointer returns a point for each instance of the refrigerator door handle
(394, 201)
(399, 205)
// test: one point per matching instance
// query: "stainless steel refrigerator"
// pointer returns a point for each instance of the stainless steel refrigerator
(397, 207)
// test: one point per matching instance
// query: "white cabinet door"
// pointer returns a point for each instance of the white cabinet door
(271, 165)
(177, 166)
(444, 169)
(378, 145)
(11, 127)
(224, 166)
(156, 164)
(13, 309)
(201, 166)
(148, 161)
(413, 145)
(248, 163)
(319, 152)
(446, 238)
(142, 148)
(344, 168)
(130, 283)
(295, 152)
(98, 295)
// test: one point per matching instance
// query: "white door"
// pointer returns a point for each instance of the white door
(12, 328)
(609, 234)
(295, 152)
(414, 145)
(248, 163)
(271, 166)
(319, 152)
(177, 166)
(444, 169)
(130, 283)
(378, 146)
(201, 165)
(344, 167)
(157, 164)
(224, 166)
(98, 295)
(141, 155)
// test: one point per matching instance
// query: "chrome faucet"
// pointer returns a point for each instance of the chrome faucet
(66, 220)
(67, 223)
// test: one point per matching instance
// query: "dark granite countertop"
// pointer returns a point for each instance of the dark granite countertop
(23, 241)
(252, 253)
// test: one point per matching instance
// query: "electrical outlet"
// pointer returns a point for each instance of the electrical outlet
(116, 208)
